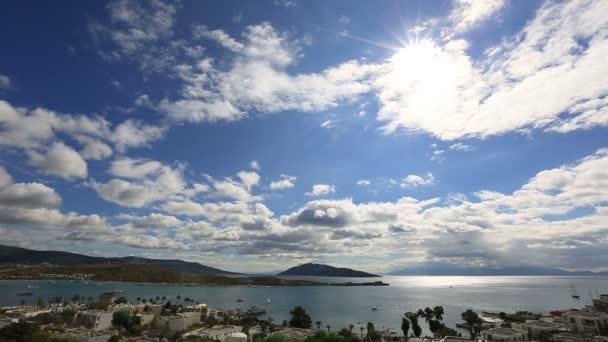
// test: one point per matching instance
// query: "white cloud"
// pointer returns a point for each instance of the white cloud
(5, 82)
(321, 189)
(468, 13)
(510, 89)
(363, 182)
(29, 195)
(328, 124)
(94, 148)
(133, 133)
(255, 165)
(286, 182)
(149, 181)
(60, 160)
(461, 147)
(413, 181)
(136, 31)
(257, 80)
(134, 168)
(5, 178)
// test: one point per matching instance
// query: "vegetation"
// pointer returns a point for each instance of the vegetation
(412, 317)
(473, 321)
(28, 332)
(299, 318)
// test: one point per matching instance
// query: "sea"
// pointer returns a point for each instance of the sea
(341, 306)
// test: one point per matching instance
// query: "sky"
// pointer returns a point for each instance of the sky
(255, 136)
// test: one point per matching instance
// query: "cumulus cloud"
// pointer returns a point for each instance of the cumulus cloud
(286, 182)
(142, 182)
(412, 181)
(321, 189)
(29, 195)
(363, 182)
(41, 134)
(258, 80)
(60, 160)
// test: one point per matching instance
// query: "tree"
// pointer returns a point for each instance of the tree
(115, 338)
(121, 300)
(318, 323)
(473, 321)
(328, 327)
(361, 328)
(405, 327)
(121, 318)
(413, 318)
(372, 334)
(299, 318)
(58, 299)
(40, 302)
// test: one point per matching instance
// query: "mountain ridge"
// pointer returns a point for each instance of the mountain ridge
(320, 270)
(442, 269)
(19, 255)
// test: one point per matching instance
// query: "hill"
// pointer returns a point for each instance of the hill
(443, 269)
(325, 271)
(17, 255)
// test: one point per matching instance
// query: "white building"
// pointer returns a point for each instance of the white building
(504, 335)
(94, 319)
(177, 322)
(217, 332)
(588, 322)
(537, 327)
(86, 335)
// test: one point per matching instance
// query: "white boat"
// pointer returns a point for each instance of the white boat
(374, 308)
(268, 300)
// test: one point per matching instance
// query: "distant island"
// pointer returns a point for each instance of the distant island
(22, 263)
(445, 269)
(17, 255)
(320, 270)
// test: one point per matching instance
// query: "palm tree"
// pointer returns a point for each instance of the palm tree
(58, 299)
(318, 325)
(22, 302)
(138, 299)
(361, 328)
(328, 326)
(350, 328)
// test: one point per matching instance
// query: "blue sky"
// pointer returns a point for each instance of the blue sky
(254, 136)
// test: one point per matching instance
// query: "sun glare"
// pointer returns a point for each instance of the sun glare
(419, 61)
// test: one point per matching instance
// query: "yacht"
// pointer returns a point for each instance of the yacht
(255, 310)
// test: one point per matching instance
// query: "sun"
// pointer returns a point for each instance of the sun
(420, 60)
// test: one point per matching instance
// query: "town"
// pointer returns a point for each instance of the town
(114, 318)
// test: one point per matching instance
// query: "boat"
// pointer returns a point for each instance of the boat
(116, 291)
(32, 287)
(268, 300)
(574, 294)
(24, 294)
(255, 310)
(239, 299)
(374, 308)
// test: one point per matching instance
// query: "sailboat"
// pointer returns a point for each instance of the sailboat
(268, 300)
(574, 294)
